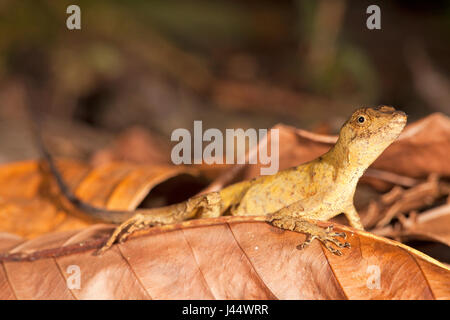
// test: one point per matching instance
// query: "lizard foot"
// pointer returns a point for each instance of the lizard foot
(325, 235)
(122, 232)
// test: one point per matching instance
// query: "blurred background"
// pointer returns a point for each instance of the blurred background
(137, 70)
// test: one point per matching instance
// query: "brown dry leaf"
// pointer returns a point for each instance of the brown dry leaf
(136, 145)
(31, 205)
(223, 258)
(431, 225)
(420, 150)
(399, 201)
(423, 148)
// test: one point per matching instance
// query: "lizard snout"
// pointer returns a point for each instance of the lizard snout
(391, 113)
(400, 116)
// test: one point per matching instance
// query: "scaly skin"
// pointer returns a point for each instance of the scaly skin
(319, 189)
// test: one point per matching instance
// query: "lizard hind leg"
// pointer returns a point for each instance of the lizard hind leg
(325, 235)
(204, 206)
(123, 231)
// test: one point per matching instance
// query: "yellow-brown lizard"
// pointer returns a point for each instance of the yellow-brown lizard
(319, 189)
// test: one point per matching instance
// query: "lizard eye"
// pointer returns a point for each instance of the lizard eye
(361, 119)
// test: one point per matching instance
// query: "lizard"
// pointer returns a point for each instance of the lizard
(316, 190)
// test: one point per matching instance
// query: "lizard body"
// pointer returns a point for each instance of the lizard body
(319, 189)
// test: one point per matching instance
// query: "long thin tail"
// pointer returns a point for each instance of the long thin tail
(105, 215)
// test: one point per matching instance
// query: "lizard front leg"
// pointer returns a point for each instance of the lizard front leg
(289, 218)
(353, 218)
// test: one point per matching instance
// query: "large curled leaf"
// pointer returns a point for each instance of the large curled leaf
(222, 258)
(31, 204)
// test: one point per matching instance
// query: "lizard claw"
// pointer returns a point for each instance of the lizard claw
(333, 250)
(335, 234)
(309, 239)
(122, 232)
(327, 237)
(339, 234)
(330, 237)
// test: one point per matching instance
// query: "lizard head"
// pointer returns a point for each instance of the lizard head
(371, 130)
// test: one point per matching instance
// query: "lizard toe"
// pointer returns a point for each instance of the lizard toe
(333, 250)
(307, 242)
(331, 238)
(342, 245)
(343, 235)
